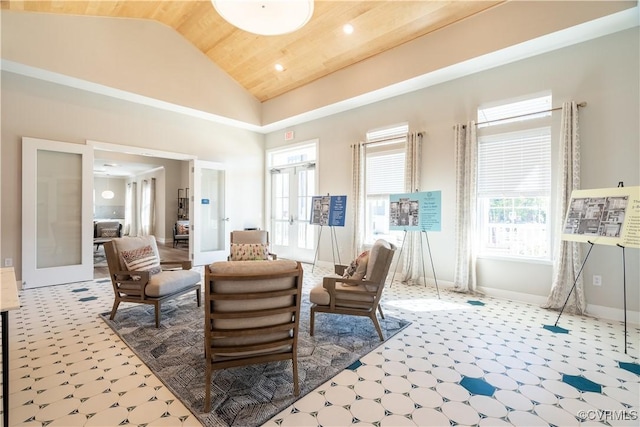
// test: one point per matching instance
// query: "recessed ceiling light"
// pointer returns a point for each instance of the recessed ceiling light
(348, 29)
(279, 67)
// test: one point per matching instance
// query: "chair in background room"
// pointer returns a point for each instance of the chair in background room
(137, 274)
(250, 245)
(252, 315)
(103, 231)
(181, 232)
(357, 293)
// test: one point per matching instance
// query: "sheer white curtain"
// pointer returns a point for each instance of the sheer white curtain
(466, 182)
(357, 180)
(147, 209)
(412, 263)
(130, 208)
(567, 255)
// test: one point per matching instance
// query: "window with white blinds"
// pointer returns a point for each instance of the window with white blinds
(515, 164)
(514, 178)
(385, 154)
(385, 172)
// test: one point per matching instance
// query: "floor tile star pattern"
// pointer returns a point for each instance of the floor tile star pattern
(477, 362)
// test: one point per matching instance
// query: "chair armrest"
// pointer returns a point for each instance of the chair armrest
(329, 283)
(121, 278)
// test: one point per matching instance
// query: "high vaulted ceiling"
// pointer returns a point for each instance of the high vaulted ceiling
(317, 50)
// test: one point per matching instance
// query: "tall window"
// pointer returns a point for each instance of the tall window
(384, 175)
(514, 178)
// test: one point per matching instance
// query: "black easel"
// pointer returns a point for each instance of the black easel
(424, 271)
(574, 282)
(334, 247)
(624, 295)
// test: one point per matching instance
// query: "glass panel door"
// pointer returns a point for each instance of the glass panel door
(292, 189)
(57, 212)
(207, 221)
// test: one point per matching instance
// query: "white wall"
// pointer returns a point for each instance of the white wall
(603, 72)
(35, 108)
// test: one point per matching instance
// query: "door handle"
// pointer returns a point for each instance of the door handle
(290, 219)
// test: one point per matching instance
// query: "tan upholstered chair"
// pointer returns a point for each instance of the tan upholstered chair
(239, 238)
(361, 297)
(252, 313)
(147, 282)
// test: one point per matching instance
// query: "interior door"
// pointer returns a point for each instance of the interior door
(207, 219)
(57, 212)
(291, 191)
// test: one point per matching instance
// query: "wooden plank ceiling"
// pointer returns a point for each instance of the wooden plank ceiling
(317, 50)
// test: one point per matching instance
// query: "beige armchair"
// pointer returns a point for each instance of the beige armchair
(357, 297)
(252, 313)
(138, 275)
(250, 245)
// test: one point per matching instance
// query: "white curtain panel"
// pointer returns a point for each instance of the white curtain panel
(130, 209)
(357, 180)
(466, 181)
(148, 211)
(413, 262)
(567, 255)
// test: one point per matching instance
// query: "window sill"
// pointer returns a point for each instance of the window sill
(516, 259)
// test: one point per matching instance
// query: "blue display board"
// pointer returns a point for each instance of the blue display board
(328, 210)
(416, 211)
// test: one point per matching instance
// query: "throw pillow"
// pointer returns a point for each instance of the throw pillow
(109, 232)
(249, 252)
(182, 228)
(358, 267)
(141, 259)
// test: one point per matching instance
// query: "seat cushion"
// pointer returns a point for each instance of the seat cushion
(168, 282)
(320, 296)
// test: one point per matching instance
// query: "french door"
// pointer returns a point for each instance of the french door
(57, 212)
(207, 218)
(292, 188)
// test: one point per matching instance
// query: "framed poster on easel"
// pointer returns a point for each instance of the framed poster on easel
(328, 210)
(421, 212)
(605, 216)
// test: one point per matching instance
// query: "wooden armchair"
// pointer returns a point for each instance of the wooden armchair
(357, 297)
(252, 313)
(137, 274)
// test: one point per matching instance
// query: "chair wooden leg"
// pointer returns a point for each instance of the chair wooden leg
(296, 387)
(312, 318)
(116, 303)
(157, 304)
(377, 325)
(380, 310)
(198, 296)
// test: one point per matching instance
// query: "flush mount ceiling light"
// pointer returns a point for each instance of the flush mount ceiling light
(265, 17)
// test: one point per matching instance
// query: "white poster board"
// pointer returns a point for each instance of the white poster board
(605, 216)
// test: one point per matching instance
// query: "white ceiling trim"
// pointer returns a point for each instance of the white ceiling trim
(620, 21)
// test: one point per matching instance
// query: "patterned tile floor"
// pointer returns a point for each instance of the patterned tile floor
(463, 361)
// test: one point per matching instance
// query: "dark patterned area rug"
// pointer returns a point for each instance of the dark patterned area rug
(244, 396)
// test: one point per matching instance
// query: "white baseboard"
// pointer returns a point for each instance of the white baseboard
(592, 310)
(610, 313)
